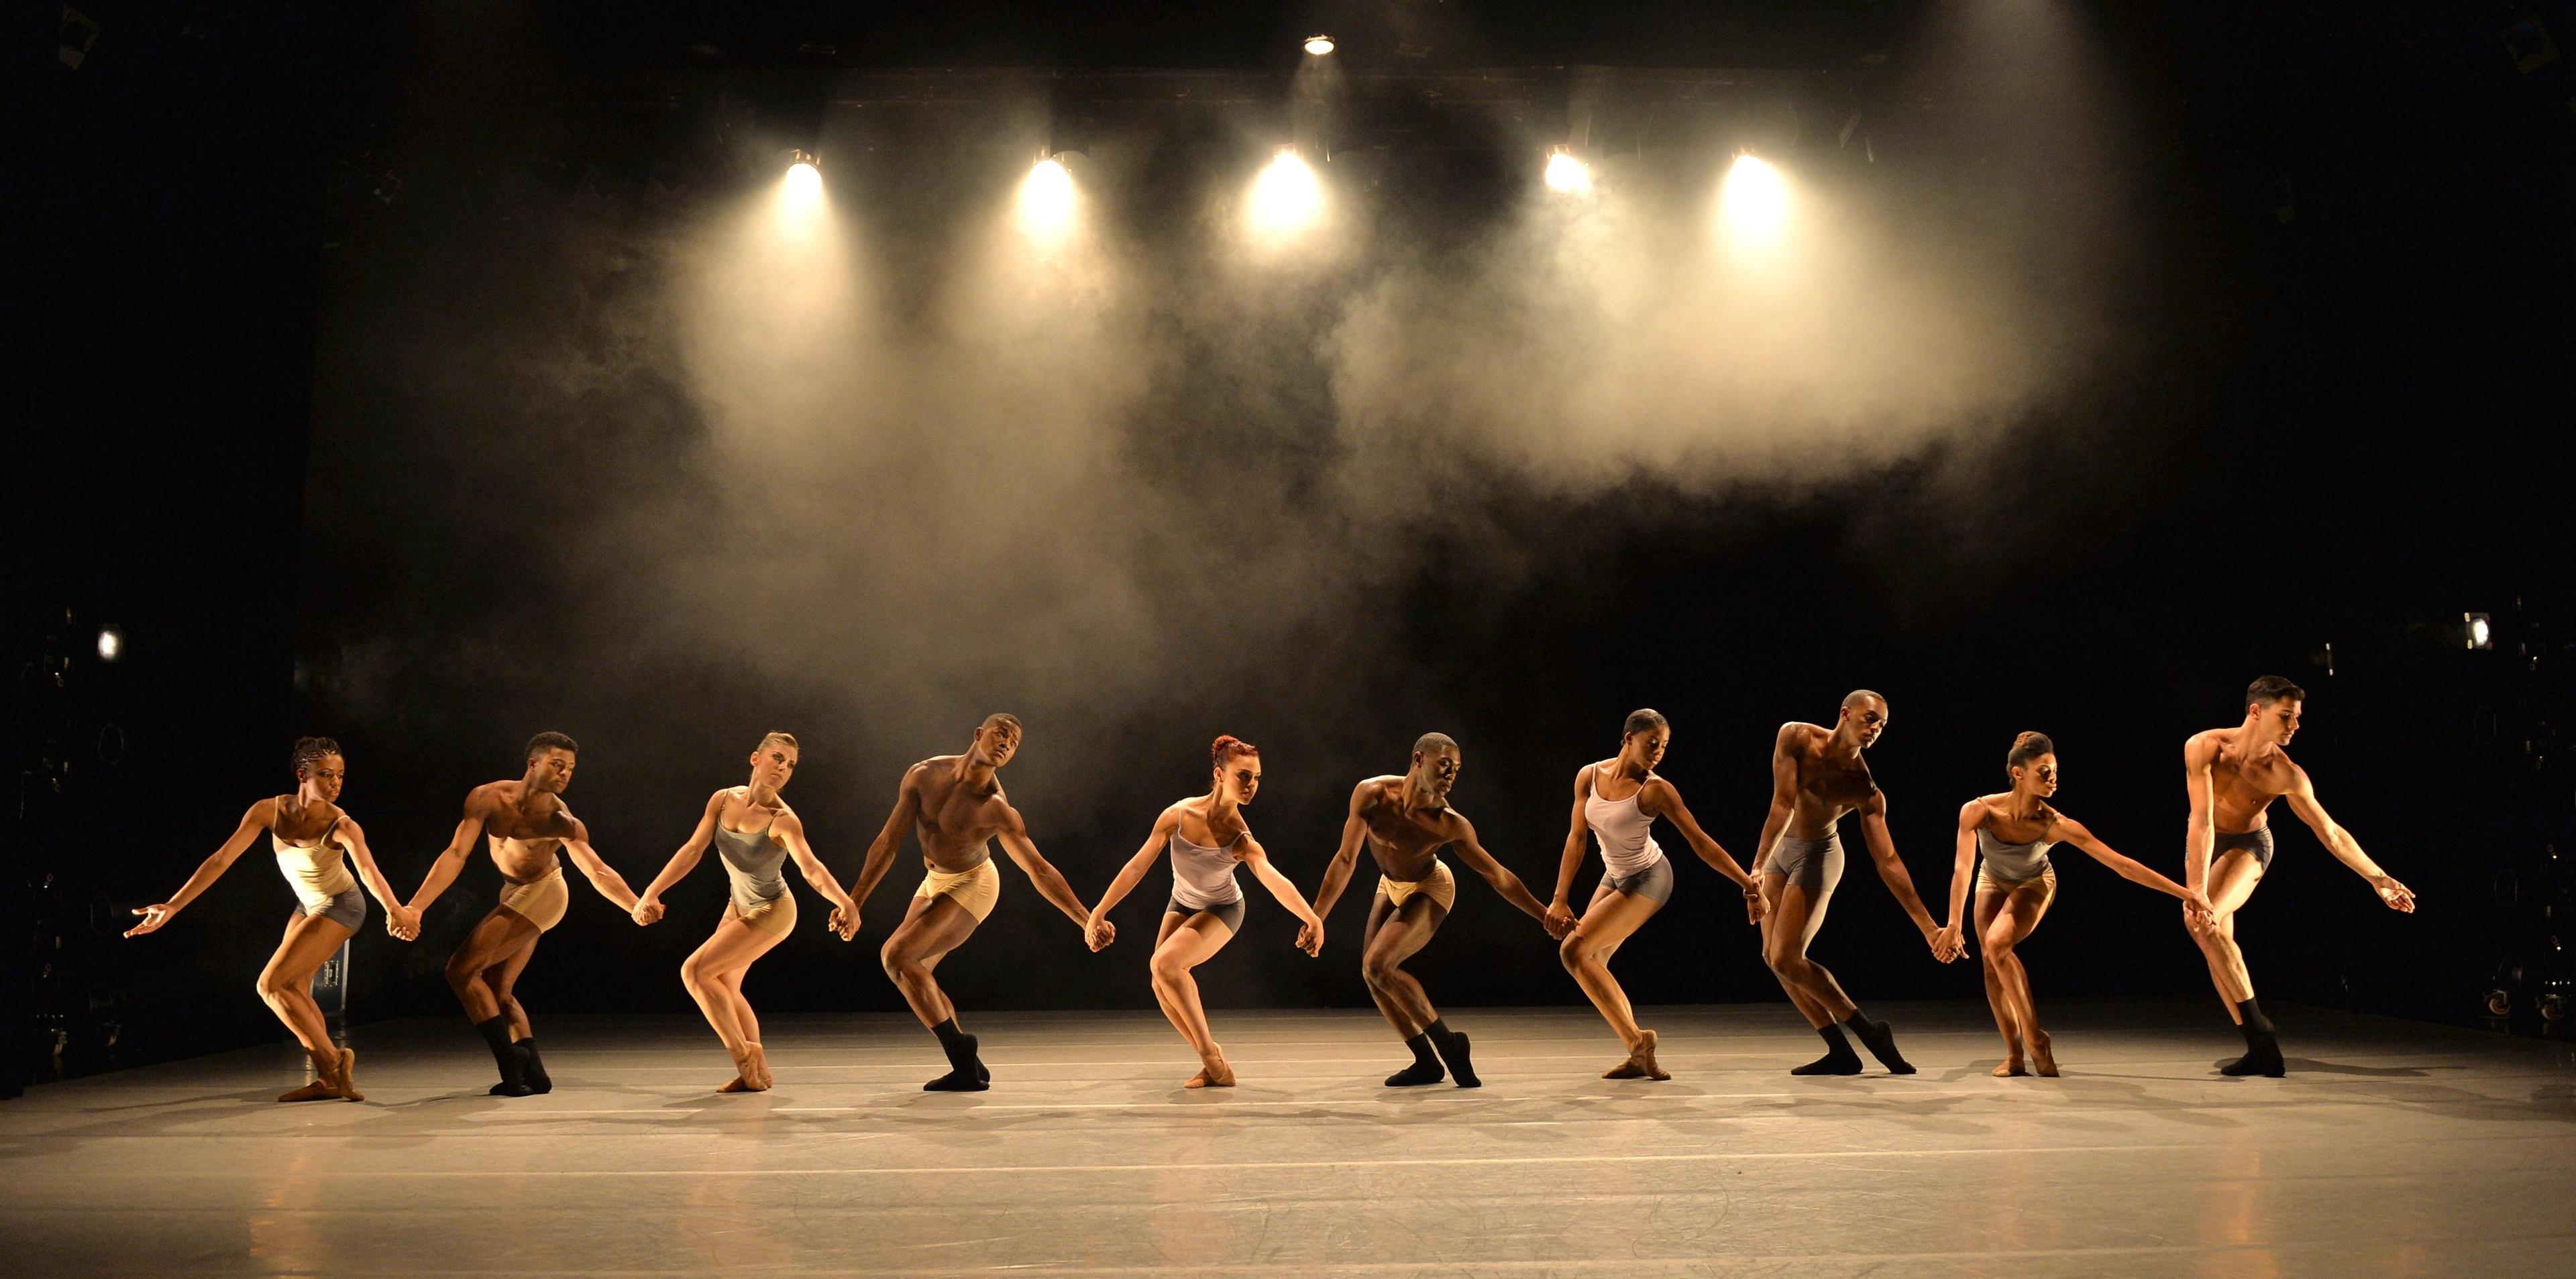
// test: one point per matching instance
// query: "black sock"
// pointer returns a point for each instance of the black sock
(1426, 1064)
(966, 1072)
(537, 1078)
(2262, 1046)
(1453, 1050)
(2252, 1013)
(513, 1063)
(1881, 1042)
(1839, 1059)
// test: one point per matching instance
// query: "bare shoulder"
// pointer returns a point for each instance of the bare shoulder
(2203, 747)
(487, 798)
(1373, 792)
(1973, 814)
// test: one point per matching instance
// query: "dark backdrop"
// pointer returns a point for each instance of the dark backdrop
(2334, 416)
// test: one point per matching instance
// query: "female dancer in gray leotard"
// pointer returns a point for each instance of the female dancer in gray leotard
(2013, 832)
(1207, 838)
(314, 842)
(753, 831)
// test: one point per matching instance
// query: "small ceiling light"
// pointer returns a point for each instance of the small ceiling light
(2479, 630)
(111, 643)
(1319, 45)
(1567, 174)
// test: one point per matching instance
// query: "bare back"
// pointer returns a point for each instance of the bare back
(523, 829)
(2243, 780)
(956, 822)
(1826, 787)
(1405, 844)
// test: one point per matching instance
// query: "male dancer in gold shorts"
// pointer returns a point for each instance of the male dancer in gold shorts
(524, 822)
(955, 805)
(1406, 821)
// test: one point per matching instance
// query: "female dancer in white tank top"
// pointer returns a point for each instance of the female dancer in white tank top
(2013, 831)
(1207, 839)
(1618, 800)
(314, 842)
(754, 831)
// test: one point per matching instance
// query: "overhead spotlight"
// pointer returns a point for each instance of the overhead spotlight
(1567, 174)
(1753, 205)
(2478, 629)
(1286, 197)
(111, 643)
(800, 193)
(1047, 200)
(1319, 45)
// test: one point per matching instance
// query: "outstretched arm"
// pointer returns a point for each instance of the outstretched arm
(259, 817)
(907, 810)
(601, 875)
(1891, 870)
(1492, 870)
(451, 859)
(1784, 795)
(789, 830)
(1558, 919)
(1098, 928)
(1310, 937)
(2200, 831)
(649, 906)
(2338, 841)
(1963, 865)
(2073, 832)
(1050, 882)
(1663, 799)
(1346, 859)
(399, 920)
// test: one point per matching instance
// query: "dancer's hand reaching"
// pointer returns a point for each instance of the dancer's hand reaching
(2399, 897)
(2195, 905)
(1099, 933)
(1559, 921)
(845, 922)
(1947, 945)
(647, 910)
(403, 923)
(1310, 937)
(1754, 909)
(154, 915)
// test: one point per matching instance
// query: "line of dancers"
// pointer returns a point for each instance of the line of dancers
(955, 807)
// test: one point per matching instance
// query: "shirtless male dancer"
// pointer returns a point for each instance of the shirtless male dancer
(1405, 822)
(1817, 775)
(2233, 775)
(956, 806)
(524, 822)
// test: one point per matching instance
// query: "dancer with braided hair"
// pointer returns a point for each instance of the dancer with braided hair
(1207, 838)
(315, 842)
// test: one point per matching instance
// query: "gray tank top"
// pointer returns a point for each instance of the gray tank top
(1204, 876)
(754, 863)
(2013, 863)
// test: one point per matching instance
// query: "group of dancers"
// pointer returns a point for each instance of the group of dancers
(956, 808)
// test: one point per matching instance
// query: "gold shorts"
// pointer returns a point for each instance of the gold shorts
(974, 889)
(540, 902)
(1439, 886)
(776, 918)
(1987, 883)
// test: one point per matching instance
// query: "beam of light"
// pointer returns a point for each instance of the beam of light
(1753, 207)
(1047, 202)
(1567, 174)
(1319, 45)
(1286, 198)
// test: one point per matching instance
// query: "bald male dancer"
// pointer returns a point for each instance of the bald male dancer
(2233, 775)
(955, 805)
(1406, 821)
(525, 823)
(1817, 775)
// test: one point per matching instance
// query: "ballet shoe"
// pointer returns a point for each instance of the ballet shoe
(2010, 1068)
(956, 1081)
(318, 1090)
(735, 1084)
(2041, 1059)
(1417, 1074)
(758, 1076)
(348, 1081)
(1453, 1050)
(1642, 1058)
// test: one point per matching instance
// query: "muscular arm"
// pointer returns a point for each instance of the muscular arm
(1310, 937)
(907, 811)
(789, 830)
(2073, 832)
(1492, 871)
(601, 875)
(1346, 859)
(1049, 881)
(258, 818)
(399, 921)
(1133, 873)
(1891, 868)
(1784, 794)
(2200, 830)
(686, 860)
(1963, 864)
(451, 859)
(1664, 800)
(2338, 841)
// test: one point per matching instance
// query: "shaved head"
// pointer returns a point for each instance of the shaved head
(1433, 744)
(1860, 697)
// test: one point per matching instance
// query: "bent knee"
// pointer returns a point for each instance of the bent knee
(1998, 945)
(272, 987)
(1378, 972)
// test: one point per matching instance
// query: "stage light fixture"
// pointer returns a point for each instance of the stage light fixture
(111, 643)
(1047, 200)
(1319, 45)
(1567, 174)
(1753, 205)
(2478, 629)
(1286, 197)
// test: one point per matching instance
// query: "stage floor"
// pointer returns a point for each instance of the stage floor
(2393, 1148)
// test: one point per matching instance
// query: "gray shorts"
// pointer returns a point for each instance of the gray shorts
(348, 910)
(1228, 913)
(2259, 842)
(1654, 883)
(1812, 864)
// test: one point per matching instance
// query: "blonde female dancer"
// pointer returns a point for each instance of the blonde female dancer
(2013, 832)
(314, 842)
(754, 833)
(1207, 839)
